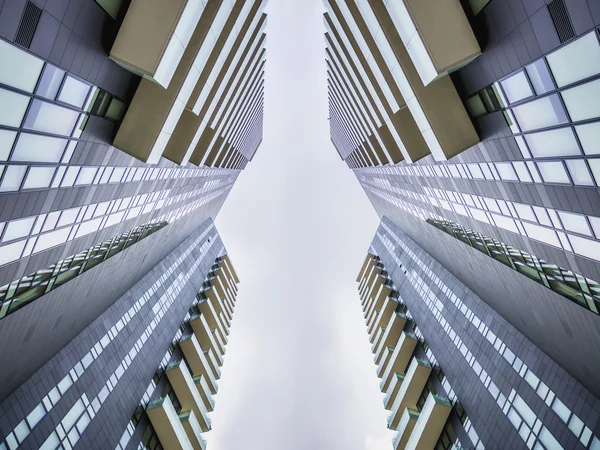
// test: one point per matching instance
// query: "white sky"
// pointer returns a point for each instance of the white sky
(298, 372)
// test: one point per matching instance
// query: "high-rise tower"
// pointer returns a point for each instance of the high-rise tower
(455, 374)
(473, 127)
(123, 126)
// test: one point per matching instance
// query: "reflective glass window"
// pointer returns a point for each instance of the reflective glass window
(506, 171)
(583, 102)
(523, 147)
(51, 239)
(74, 92)
(575, 223)
(16, 229)
(553, 172)
(13, 176)
(559, 142)
(50, 82)
(36, 148)
(19, 69)
(7, 139)
(595, 167)
(576, 61)
(68, 216)
(86, 175)
(39, 177)
(589, 136)
(540, 77)
(540, 113)
(547, 235)
(11, 252)
(115, 110)
(522, 171)
(44, 116)
(117, 175)
(585, 247)
(12, 108)
(516, 87)
(579, 172)
(69, 153)
(475, 106)
(70, 176)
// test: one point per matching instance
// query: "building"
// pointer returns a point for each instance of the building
(474, 130)
(455, 374)
(144, 373)
(123, 127)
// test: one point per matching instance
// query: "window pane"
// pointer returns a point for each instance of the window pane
(74, 92)
(44, 116)
(583, 102)
(70, 176)
(579, 172)
(7, 139)
(541, 113)
(12, 108)
(589, 136)
(506, 171)
(576, 61)
(51, 239)
(523, 147)
(116, 109)
(551, 143)
(86, 175)
(13, 176)
(35, 148)
(575, 223)
(595, 167)
(475, 106)
(19, 69)
(11, 252)
(50, 82)
(540, 77)
(516, 87)
(16, 229)
(39, 177)
(553, 172)
(522, 171)
(69, 153)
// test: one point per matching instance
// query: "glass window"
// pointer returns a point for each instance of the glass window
(582, 102)
(585, 247)
(589, 136)
(68, 216)
(595, 167)
(13, 176)
(19, 69)
(525, 212)
(579, 172)
(533, 171)
(506, 171)
(111, 7)
(69, 153)
(547, 235)
(86, 175)
(575, 223)
(541, 113)
(74, 92)
(542, 215)
(59, 174)
(50, 82)
(16, 229)
(44, 116)
(7, 139)
(553, 172)
(475, 106)
(11, 252)
(88, 227)
(12, 108)
(70, 176)
(39, 177)
(576, 61)
(117, 175)
(540, 77)
(559, 142)
(516, 87)
(522, 171)
(51, 221)
(51, 239)
(475, 170)
(36, 148)
(115, 110)
(523, 147)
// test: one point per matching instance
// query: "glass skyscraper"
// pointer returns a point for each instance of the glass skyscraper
(473, 128)
(123, 127)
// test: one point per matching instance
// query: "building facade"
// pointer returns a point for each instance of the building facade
(475, 131)
(455, 374)
(144, 373)
(123, 127)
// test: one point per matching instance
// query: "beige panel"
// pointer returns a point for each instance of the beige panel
(145, 33)
(446, 33)
(412, 386)
(167, 426)
(430, 423)
(391, 334)
(409, 132)
(405, 428)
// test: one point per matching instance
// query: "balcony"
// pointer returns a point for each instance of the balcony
(187, 393)
(392, 390)
(412, 386)
(437, 43)
(399, 359)
(212, 362)
(383, 291)
(227, 262)
(212, 317)
(167, 425)
(367, 263)
(154, 36)
(212, 296)
(204, 391)
(196, 359)
(385, 313)
(405, 428)
(193, 430)
(205, 336)
(430, 423)
(392, 332)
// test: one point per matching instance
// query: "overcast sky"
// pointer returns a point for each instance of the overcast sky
(298, 373)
